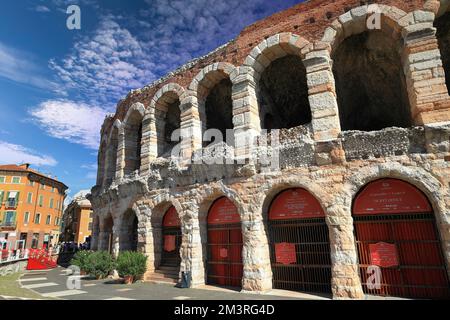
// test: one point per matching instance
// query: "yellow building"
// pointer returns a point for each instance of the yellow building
(31, 206)
(77, 219)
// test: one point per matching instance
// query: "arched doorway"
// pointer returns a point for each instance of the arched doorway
(224, 264)
(129, 234)
(171, 233)
(108, 224)
(395, 229)
(299, 243)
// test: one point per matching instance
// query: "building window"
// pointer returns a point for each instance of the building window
(37, 218)
(15, 180)
(35, 241)
(90, 226)
(2, 179)
(51, 203)
(30, 198)
(1, 197)
(9, 219)
(26, 218)
(57, 205)
(42, 186)
(41, 201)
(53, 189)
(48, 220)
(56, 221)
(13, 199)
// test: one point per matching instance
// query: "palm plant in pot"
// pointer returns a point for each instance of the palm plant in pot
(131, 265)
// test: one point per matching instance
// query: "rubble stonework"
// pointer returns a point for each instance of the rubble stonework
(333, 165)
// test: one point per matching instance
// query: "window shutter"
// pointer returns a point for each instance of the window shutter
(1, 197)
(14, 217)
(17, 198)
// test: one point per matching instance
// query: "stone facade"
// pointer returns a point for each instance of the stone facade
(333, 165)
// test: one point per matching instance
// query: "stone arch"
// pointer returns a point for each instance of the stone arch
(211, 94)
(158, 209)
(199, 225)
(132, 129)
(106, 237)
(279, 76)
(95, 232)
(372, 36)
(417, 177)
(111, 153)
(129, 230)
(165, 117)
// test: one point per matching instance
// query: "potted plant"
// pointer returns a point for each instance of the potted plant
(81, 259)
(100, 264)
(131, 266)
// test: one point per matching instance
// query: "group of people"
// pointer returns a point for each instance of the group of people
(74, 247)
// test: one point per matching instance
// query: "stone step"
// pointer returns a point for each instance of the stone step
(159, 277)
(167, 273)
(169, 268)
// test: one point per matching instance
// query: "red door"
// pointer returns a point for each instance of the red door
(299, 243)
(395, 230)
(224, 265)
(171, 233)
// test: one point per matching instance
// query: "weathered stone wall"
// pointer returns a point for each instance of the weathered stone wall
(330, 163)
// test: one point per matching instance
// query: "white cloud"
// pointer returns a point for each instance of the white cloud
(16, 65)
(41, 8)
(15, 154)
(75, 122)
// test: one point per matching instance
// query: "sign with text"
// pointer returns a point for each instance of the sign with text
(285, 253)
(295, 204)
(390, 196)
(383, 254)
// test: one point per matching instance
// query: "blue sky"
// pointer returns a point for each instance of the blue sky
(57, 85)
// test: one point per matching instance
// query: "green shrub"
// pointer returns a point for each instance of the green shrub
(131, 263)
(100, 264)
(81, 259)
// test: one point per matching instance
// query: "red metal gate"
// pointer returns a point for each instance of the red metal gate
(299, 243)
(224, 265)
(171, 232)
(395, 230)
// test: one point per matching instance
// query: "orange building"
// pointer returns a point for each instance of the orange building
(77, 219)
(31, 206)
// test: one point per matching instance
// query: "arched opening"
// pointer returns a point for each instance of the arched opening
(395, 230)
(218, 107)
(95, 233)
(101, 163)
(283, 94)
(129, 233)
(111, 156)
(133, 139)
(107, 243)
(299, 243)
(442, 25)
(168, 120)
(224, 261)
(171, 244)
(370, 83)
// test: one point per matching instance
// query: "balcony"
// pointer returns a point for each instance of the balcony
(11, 204)
(8, 225)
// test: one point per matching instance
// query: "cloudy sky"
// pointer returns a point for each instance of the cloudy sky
(57, 85)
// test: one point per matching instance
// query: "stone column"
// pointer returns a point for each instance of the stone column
(345, 283)
(116, 230)
(148, 141)
(425, 77)
(246, 119)
(255, 257)
(191, 128)
(120, 154)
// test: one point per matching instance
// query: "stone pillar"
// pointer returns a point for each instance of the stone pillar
(255, 257)
(345, 283)
(193, 246)
(191, 128)
(120, 154)
(116, 230)
(148, 142)
(428, 95)
(246, 119)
